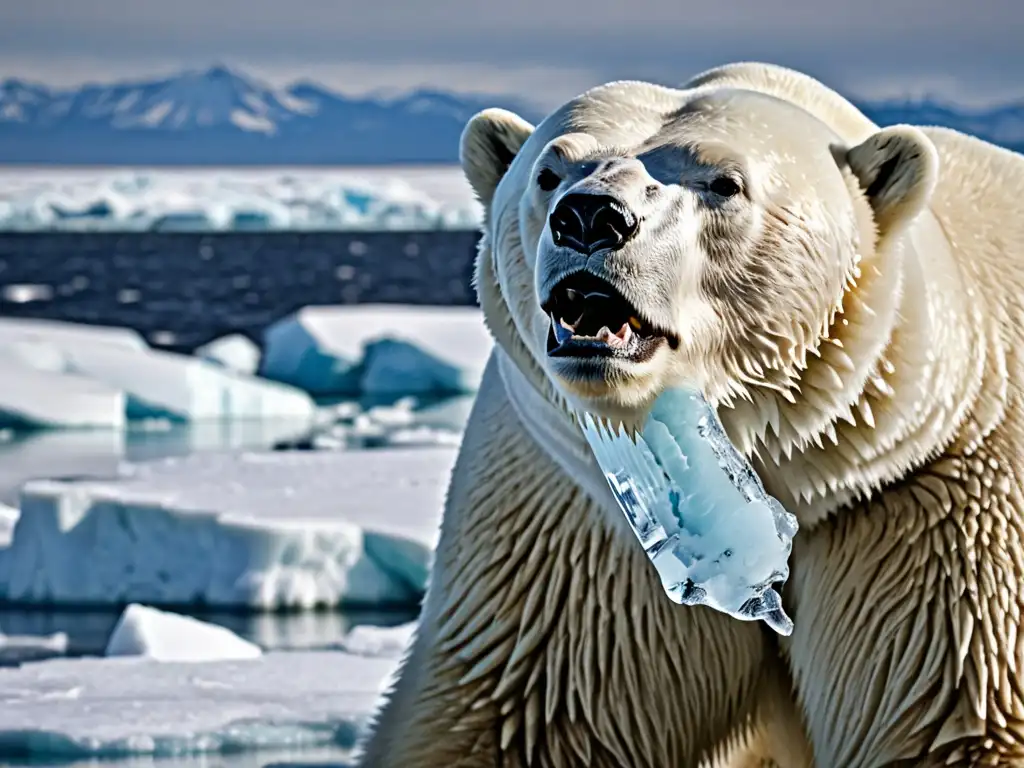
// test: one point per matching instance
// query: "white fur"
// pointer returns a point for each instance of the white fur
(856, 315)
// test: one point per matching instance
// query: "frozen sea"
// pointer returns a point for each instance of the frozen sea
(289, 496)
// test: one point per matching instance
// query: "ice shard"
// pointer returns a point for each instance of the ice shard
(698, 509)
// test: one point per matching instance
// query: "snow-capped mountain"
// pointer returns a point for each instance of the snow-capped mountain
(221, 116)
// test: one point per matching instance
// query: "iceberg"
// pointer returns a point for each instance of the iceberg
(62, 709)
(164, 636)
(378, 349)
(254, 531)
(698, 509)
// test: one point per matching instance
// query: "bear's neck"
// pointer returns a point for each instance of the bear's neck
(885, 389)
(553, 638)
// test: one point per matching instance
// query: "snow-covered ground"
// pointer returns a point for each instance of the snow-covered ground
(398, 198)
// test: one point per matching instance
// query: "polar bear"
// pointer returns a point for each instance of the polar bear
(850, 298)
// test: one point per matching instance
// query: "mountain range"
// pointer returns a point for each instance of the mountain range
(221, 116)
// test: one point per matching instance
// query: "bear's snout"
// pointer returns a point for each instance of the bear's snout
(588, 223)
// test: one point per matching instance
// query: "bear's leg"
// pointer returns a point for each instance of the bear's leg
(907, 649)
(546, 638)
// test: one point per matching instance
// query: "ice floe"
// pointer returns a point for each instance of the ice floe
(250, 530)
(166, 636)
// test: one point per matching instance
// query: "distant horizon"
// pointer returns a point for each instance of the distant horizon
(910, 96)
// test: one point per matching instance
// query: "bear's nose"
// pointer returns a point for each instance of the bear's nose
(589, 223)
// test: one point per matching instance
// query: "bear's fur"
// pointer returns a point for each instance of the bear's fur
(856, 314)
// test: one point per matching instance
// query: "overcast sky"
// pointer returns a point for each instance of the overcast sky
(970, 52)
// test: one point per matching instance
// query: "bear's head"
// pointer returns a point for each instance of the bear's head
(643, 237)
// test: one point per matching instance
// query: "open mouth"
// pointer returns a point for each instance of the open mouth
(590, 318)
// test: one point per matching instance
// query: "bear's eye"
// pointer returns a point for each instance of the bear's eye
(548, 180)
(724, 187)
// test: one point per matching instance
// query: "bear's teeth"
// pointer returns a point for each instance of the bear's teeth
(563, 331)
(616, 340)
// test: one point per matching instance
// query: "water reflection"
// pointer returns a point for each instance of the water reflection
(97, 453)
(87, 631)
(369, 423)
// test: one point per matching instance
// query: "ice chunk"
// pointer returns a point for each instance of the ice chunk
(76, 709)
(250, 530)
(181, 388)
(699, 510)
(382, 349)
(103, 366)
(163, 636)
(37, 399)
(235, 352)
(390, 642)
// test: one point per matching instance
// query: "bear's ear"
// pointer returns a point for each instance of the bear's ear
(489, 144)
(897, 168)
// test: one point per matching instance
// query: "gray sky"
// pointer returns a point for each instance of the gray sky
(967, 52)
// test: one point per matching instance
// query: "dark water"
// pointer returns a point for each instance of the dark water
(180, 290)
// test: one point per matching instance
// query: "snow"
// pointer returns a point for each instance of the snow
(66, 709)
(61, 374)
(164, 636)
(235, 352)
(699, 510)
(247, 530)
(392, 198)
(378, 349)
